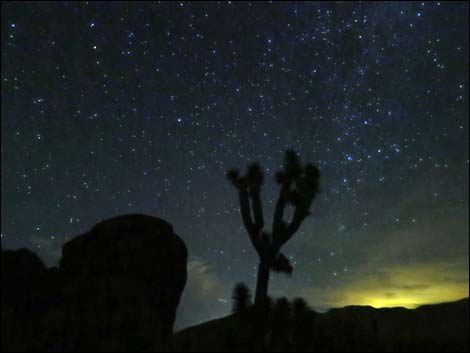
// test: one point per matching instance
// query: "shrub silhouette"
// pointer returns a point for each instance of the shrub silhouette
(299, 186)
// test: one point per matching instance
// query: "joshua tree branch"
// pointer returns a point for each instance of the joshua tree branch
(245, 210)
(252, 230)
(279, 210)
(257, 209)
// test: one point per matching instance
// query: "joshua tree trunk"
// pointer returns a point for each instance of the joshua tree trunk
(261, 295)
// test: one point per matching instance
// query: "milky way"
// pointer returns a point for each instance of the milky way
(113, 108)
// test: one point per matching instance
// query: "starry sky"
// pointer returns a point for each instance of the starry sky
(113, 108)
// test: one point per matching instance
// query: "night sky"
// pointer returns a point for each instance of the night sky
(115, 108)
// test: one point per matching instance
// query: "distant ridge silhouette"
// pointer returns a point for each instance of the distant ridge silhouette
(429, 328)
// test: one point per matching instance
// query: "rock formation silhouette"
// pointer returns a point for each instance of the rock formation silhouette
(117, 289)
(28, 293)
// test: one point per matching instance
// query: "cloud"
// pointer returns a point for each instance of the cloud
(48, 249)
(411, 266)
(408, 264)
(205, 296)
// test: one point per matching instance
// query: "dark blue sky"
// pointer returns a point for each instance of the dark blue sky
(112, 108)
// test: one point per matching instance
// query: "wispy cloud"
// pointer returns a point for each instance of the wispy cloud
(205, 296)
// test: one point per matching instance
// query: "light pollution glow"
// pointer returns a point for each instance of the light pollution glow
(401, 286)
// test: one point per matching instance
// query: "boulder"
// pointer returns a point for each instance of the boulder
(123, 280)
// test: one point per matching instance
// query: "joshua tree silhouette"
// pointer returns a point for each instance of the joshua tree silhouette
(299, 186)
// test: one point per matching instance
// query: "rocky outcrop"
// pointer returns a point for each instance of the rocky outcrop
(22, 271)
(117, 289)
(28, 291)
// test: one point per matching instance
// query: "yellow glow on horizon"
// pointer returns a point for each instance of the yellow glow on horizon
(408, 287)
(409, 299)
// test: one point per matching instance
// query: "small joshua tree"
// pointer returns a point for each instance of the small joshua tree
(241, 298)
(299, 186)
(302, 326)
(299, 308)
